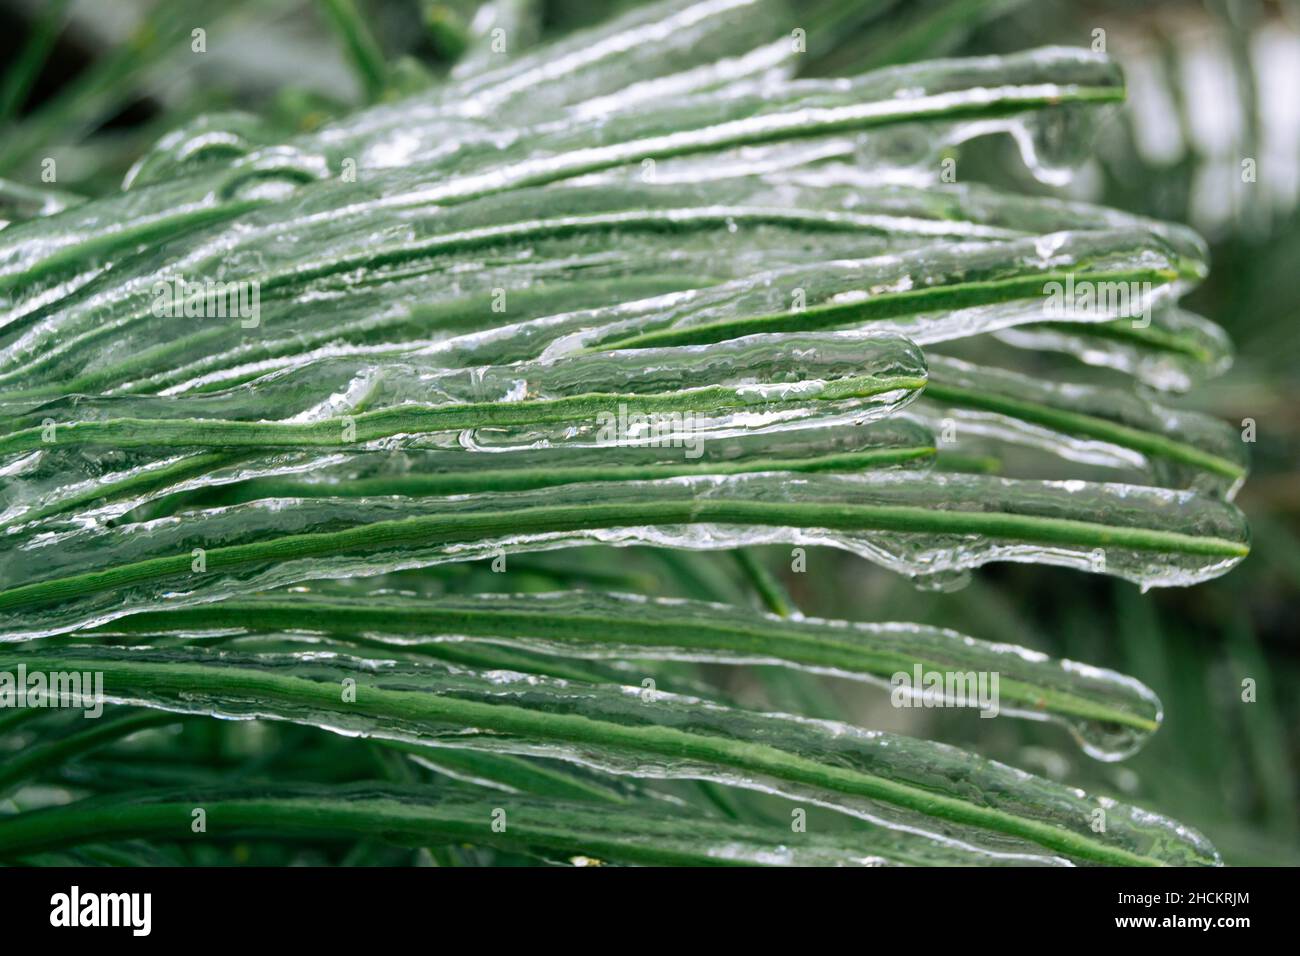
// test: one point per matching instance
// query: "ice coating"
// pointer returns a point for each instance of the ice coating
(750, 383)
(1178, 350)
(486, 158)
(444, 221)
(932, 527)
(51, 490)
(1090, 424)
(913, 786)
(562, 831)
(936, 293)
(561, 278)
(1109, 714)
(44, 326)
